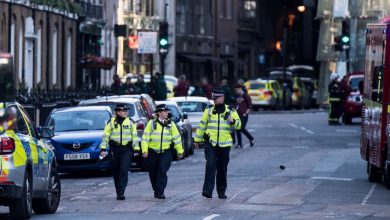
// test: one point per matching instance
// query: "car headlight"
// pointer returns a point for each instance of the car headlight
(50, 145)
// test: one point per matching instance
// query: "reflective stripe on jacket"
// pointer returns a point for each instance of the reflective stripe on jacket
(159, 138)
(217, 128)
(121, 134)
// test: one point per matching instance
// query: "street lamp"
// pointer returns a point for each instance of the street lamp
(301, 8)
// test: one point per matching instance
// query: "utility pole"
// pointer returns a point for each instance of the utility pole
(284, 54)
(163, 41)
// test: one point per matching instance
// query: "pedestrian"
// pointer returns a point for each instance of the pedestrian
(243, 106)
(241, 82)
(120, 134)
(214, 130)
(335, 96)
(182, 87)
(158, 136)
(197, 90)
(128, 87)
(229, 96)
(116, 85)
(140, 86)
(160, 87)
(206, 88)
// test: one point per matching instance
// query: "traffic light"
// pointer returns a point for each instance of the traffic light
(163, 36)
(342, 42)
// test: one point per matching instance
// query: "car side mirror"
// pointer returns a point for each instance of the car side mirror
(185, 116)
(45, 132)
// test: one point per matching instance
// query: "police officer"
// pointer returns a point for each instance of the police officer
(158, 136)
(120, 134)
(215, 129)
(335, 95)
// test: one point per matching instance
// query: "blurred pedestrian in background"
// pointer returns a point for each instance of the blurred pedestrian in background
(243, 106)
(197, 90)
(182, 87)
(159, 87)
(116, 86)
(128, 87)
(140, 85)
(229, 96)
(206, 88)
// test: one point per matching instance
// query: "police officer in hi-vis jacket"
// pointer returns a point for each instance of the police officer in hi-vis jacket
(215, 130)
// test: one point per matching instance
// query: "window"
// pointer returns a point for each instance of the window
(181, 16)
(29, 123)
(226, 9)
(54, 57)
(249, 9)
(21, 126)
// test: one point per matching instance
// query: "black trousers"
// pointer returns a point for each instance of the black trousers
(335, 111)
(244, 120)
(217, 159)
(120, 162)
(159, 164)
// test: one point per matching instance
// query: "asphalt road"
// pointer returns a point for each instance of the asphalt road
(324, 178)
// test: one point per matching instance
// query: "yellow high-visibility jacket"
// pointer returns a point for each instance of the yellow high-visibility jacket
(121, 134)
(159, 138)
(217, 128)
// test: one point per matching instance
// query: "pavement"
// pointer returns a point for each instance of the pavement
(323, 178)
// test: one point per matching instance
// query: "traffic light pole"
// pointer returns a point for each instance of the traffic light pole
(284, 52)
(162, 64)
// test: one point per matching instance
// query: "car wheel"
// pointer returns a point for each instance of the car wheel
(386, 176)
(50, 204)
(374, 175)
(347, 119)
(22, 208)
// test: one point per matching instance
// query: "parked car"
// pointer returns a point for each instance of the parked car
(193, 106)
(78, 132)
(182, 124)
(354, 101)
(277, 74)
(28, 169)
(171, 82)
(136, 112)
(266, 94)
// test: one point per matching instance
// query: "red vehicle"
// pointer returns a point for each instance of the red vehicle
(354, 100)
(375, 127)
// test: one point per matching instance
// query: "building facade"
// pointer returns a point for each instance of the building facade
(42, 40)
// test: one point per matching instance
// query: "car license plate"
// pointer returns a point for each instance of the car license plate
(84, 156)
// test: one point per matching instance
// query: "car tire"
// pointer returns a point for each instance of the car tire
(191, 146)
(49, 204)
(374, 175)
(386, 176)
(347, 119)
(22, 208)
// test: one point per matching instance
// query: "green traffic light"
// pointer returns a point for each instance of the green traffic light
(163, 42)
(345, 39)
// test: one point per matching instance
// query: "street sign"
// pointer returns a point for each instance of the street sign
(147, 42)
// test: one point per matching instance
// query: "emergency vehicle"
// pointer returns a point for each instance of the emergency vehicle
(28, 175)
(375, 127)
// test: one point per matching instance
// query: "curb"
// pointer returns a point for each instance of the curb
(264, 112)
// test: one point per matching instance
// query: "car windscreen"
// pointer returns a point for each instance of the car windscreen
(192, 106)
(130, 112)
(354, 82)
(257, 86)
(176, 115)
(78, 120)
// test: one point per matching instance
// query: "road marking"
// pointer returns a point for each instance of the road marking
(300, 147)
(293, 125)
(236, 195)
(330, 178)
(103, 184)
(369, 194)
(211, 216)
(251, 130)
(346, 130)
(302, 128)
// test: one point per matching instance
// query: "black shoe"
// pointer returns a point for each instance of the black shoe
(251, 143)
(158, 196)
(222, 196)
(155, 195)
(121, 197)
(207, 195)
